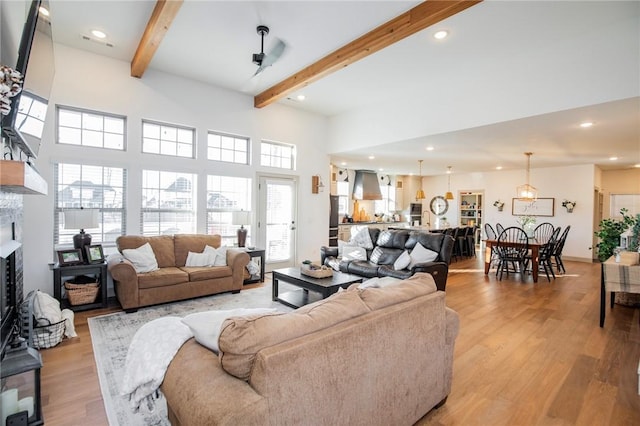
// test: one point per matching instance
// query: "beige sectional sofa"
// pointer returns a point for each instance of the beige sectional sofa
(374, 356)
(173, 280)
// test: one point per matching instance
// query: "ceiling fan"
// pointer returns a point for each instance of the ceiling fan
(263, 60)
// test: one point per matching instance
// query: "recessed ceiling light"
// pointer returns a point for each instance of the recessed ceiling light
(43, 10)
(441, 34)
(498, 167)
(586, 124)
(637, 166)
(613, 158)
(344, 163)
(429, 148)
(372, 157)
(98, 33)
(301, 97)
(381, 169)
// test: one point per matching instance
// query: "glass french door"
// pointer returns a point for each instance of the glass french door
(277, 220)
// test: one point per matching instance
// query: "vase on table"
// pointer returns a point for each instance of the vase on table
(529, 228)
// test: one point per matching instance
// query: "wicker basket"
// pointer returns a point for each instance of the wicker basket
(81, 294)
(316, 271)
(47, 336)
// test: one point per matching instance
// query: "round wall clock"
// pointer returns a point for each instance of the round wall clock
(439, 205)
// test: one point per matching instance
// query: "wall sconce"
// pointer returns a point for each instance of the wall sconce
(316, 184)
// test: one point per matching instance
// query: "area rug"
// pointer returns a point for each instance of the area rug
(112, 333)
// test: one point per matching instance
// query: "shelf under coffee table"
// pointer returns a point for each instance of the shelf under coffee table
(311, 289)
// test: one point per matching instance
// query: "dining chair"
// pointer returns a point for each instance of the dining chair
(545, 255)
(499, 229)
(543, 232)
(512, 248)
(491, 235)
(557, 251)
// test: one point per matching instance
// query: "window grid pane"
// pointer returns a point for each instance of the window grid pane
(226, 194)
(94, 129)
(165, 139)
(278, 155)
(227, 148)
(92, 187)
(168, 203)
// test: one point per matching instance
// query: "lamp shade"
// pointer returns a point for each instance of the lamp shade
(241, 217)
(448, 195)
(81, 219)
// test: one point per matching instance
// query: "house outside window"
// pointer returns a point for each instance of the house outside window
(90, 187)
(168, 203)
(90, 128)
(167, 139)
(278, 155)
(225, 195)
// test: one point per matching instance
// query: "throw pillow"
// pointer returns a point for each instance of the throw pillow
(354, 253)
(200, 259)
(402, 261)
(205, 326)
(419, 254)
(220, 255)
(143, 258)
(342, 245)
(46, 309)
(362, 239)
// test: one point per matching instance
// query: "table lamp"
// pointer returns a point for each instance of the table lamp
(241, 218)
(81, 219)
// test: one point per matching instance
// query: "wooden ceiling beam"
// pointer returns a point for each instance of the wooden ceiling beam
(420, 17)
(163, 14)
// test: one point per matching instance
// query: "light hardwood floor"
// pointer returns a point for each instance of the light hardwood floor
(527, 354)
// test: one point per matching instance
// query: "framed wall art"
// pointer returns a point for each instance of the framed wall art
(539, 207)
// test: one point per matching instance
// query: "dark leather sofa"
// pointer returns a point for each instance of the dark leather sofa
(388, 246)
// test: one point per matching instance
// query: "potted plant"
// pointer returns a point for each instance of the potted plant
(569, 205)
(609, 234)
(528, 224)
(499, 204)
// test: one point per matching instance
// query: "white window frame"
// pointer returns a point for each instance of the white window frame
(388, 202)
(167, 144)
(85, 130)
(63, 238)
(168, 203)
(342, 190)
(228, 148)
(236, 192)
(269, 156)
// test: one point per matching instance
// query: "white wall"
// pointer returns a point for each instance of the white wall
(85, 80)
(574, 183)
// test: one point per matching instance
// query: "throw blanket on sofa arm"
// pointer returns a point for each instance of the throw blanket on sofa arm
(150, 353)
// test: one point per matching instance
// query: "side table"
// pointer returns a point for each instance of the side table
(622, 276)
(98, 270)
(256, 253)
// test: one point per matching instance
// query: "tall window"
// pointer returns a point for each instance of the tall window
(92, 187)
(165, 139)
(280, 155)
(224, 196)
(228, 148)
(168, 203)
(90, 128)
(388, 202)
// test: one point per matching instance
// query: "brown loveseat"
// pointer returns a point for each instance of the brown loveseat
(374, 356)
(172, 280)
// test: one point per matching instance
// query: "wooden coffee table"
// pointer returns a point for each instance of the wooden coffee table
(312, 289)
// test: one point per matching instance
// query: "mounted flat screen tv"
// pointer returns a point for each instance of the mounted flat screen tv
(28, 49)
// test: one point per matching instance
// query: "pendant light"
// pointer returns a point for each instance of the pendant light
(449, 194)
(527, 192)
(420, 192)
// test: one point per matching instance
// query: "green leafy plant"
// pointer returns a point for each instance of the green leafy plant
(634, 244)
(609, 234)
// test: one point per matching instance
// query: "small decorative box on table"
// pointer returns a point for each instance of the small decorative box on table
(315, 270)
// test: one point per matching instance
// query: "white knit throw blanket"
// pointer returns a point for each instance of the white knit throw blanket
(150, 352)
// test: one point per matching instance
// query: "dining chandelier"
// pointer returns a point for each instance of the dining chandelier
(420, 192)
(527, 192)
(449, 194)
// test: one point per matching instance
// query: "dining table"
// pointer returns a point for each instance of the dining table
(532, 243)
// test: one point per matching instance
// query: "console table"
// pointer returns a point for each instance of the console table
(623, 276)
(99, 270)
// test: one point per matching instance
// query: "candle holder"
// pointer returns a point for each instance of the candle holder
(20, 379)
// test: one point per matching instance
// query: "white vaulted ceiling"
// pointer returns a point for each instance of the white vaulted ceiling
(511, 77)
